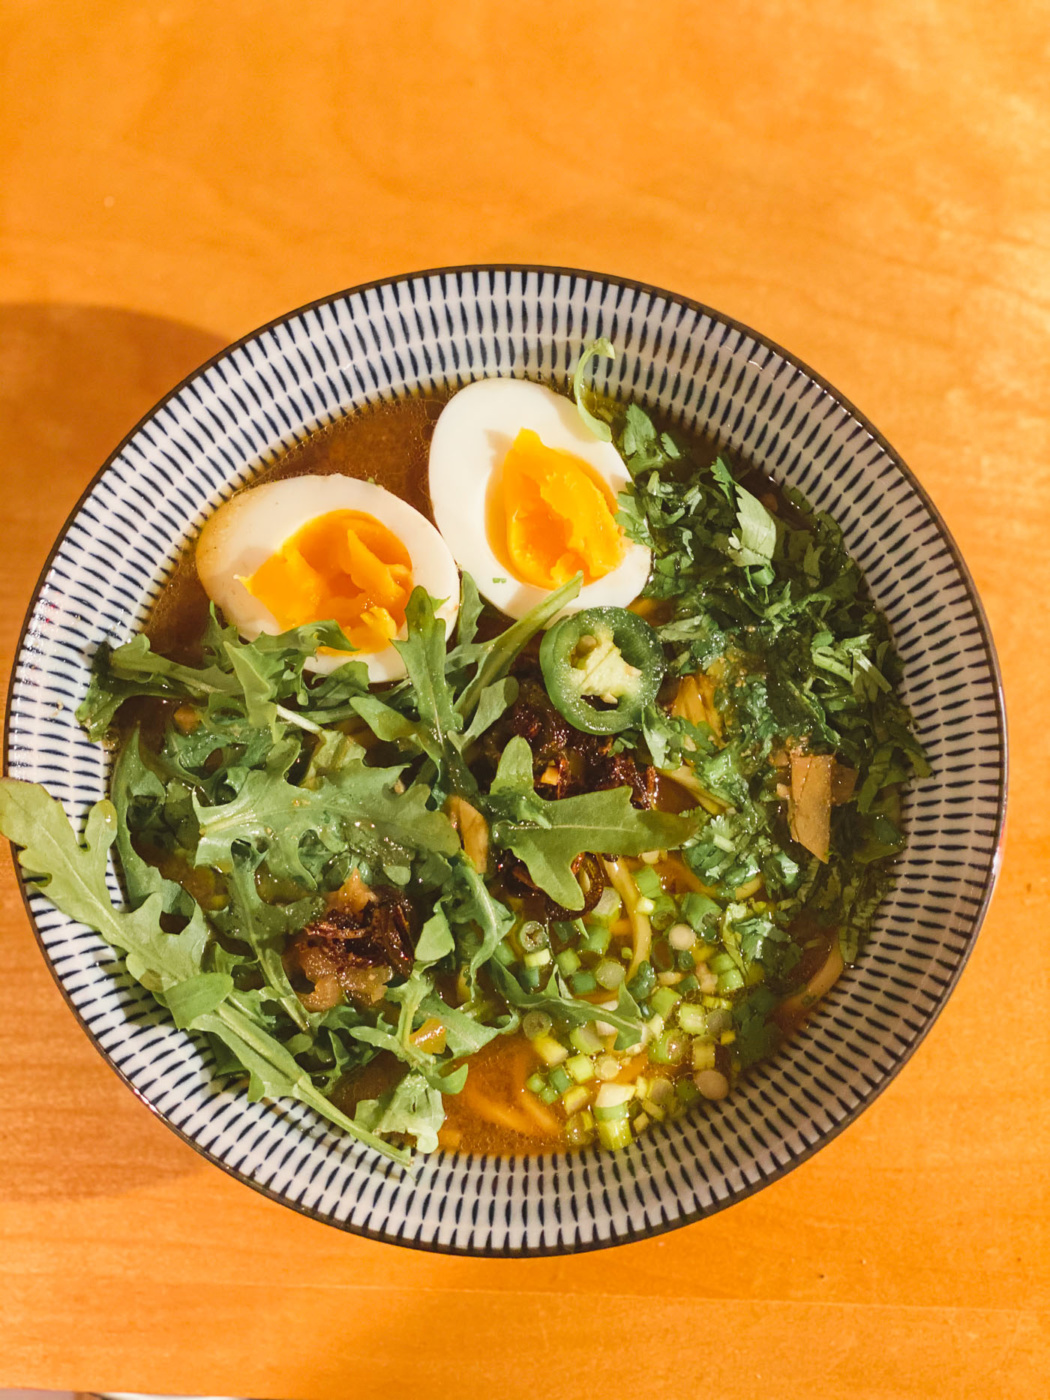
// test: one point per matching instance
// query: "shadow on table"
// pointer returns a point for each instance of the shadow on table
(73, 381)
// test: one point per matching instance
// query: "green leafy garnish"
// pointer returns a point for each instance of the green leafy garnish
(548, 835)
(267, 821)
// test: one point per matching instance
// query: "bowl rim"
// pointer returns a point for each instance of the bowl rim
(991, 655)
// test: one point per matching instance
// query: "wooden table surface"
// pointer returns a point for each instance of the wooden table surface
(864, 182)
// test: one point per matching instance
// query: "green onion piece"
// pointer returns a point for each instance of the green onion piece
(609, 974)
(579, 1130)
(532, 936)
(560, 1080)
(567, 962)
(692, 1019)
(686, 1092)
(535, 1084)
(703, 1056)
(611, 1094)
(669, 1048)
(681, 937)
(540, 958)
(614, 1133)
(550, 1051)
(661, 956)
(648, 882)
(582, 982)
(610, 1112)
(661, 1092)
(581, 1067)
(597, 940)
(608, 906)
(699, 910)
(664, 1001)
(586, 1040)
(536, 1023)
(575, 1098)
(730, 981)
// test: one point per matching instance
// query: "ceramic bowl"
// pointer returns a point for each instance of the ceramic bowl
(222, 426)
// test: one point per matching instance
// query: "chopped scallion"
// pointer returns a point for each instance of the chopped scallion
(609, 974)
(664, 1000)
(535, 1023)
(550, 1051)
(559, 1080)
(586, 1040)
(692, 1019)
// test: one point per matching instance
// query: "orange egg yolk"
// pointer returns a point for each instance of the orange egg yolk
(552, 517)
(347, 565)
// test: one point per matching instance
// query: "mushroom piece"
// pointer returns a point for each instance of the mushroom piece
(809, 801)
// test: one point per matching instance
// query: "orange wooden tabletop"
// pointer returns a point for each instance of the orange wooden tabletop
(864, 182)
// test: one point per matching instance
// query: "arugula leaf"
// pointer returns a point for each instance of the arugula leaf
(478, 919)
(413, 1108)
(409, 995)
(492, 702)
(549, 835)
(133, 783)
(423, 652)
(73, 876)
(196, 997)
(274, 1073)
(258, 675)
(357, 808)
(265, 929)
(500, 654)
(557, 1002)
(435, 939)
(464, 1034)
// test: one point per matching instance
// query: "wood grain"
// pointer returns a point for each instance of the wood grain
(864, 183)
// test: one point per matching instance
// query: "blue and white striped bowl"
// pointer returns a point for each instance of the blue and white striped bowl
(231, 418)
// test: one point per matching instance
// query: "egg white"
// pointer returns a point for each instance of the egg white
(473, 435)
(253, 525)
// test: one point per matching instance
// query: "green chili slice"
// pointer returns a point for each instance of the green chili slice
(607, 655)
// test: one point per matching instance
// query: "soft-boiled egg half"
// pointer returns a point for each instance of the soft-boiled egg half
(311, 548)
(525, 497)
